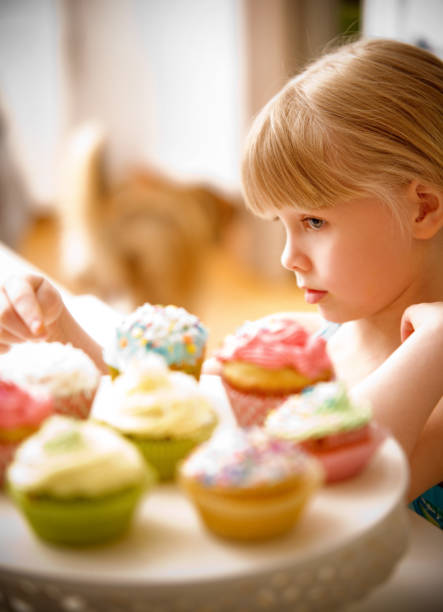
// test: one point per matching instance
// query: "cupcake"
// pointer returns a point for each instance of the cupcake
(267, 360)
(77, 482)
(326, 424)
(247, 485)
(21, 414)
(163, 412)
(60, 371)
(169, 331)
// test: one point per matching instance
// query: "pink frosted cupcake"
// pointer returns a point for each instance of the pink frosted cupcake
(59, 371)
(21, 414)
(267, 360)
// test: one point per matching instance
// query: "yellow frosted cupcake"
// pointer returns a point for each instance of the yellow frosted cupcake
(77, 482)
(247, 485)
(163, 412)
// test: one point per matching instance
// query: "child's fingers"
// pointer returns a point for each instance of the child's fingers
(12, 328)
(8, 338)
(406, 328)
(420, 314)
(49, 299)
(25, 316)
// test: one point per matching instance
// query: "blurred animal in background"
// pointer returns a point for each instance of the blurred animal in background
(15, 206)
(144, 239)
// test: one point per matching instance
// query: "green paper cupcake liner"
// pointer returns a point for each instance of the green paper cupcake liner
(79, 522)
(165, 454)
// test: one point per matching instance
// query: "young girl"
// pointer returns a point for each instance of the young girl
(348, 156)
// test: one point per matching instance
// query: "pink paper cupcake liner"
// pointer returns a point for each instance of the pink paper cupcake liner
(77, 405)
(251, 408)
(348, 461)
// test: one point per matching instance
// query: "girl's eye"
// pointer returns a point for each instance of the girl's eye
(313, 223)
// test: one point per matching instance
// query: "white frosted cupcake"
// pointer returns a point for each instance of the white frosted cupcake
(164, 412)
(64, 373)
(77, 482)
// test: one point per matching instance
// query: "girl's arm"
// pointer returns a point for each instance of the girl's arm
(31, 308)
(406, 388)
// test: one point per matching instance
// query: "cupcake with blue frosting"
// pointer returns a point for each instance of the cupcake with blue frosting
(169, 331)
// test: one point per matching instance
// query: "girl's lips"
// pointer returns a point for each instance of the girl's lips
(312, 296)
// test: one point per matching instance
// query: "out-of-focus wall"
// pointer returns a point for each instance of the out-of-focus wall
(418, 22)
(165, 77)
(29, 88)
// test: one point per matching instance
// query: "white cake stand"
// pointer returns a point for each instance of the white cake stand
(348, 541)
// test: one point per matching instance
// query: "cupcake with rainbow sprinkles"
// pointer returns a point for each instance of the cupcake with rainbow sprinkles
(170, 331)
(247, 485)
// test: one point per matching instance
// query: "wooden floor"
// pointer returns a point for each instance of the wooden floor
(231, 293)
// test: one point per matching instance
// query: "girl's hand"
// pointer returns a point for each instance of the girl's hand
(418, 315)
(29, 307)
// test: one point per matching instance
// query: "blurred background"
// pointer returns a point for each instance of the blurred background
(121, 131)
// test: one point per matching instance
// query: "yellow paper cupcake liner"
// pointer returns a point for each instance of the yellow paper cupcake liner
(254, 516)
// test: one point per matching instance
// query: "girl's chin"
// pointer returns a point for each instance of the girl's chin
(334, 315)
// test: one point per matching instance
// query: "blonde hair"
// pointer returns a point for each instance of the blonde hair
(363, 120)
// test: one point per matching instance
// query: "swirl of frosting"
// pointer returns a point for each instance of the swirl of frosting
(150, 400)
(51, 367)
(170, 331)
(74, 458)
(318, 411)
(235, 457)
(277, 342)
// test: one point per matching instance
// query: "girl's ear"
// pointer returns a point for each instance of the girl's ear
(427, 209)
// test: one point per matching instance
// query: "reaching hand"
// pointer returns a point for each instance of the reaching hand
(29, 306)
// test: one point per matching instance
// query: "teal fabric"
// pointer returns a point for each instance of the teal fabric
(430, 505)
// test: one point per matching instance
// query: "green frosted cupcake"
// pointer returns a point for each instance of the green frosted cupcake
(163, 412)
(78, 483)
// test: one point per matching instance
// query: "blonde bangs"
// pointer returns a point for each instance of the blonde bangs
(291, 160)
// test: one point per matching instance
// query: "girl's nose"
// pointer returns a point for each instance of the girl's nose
(294, 259)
